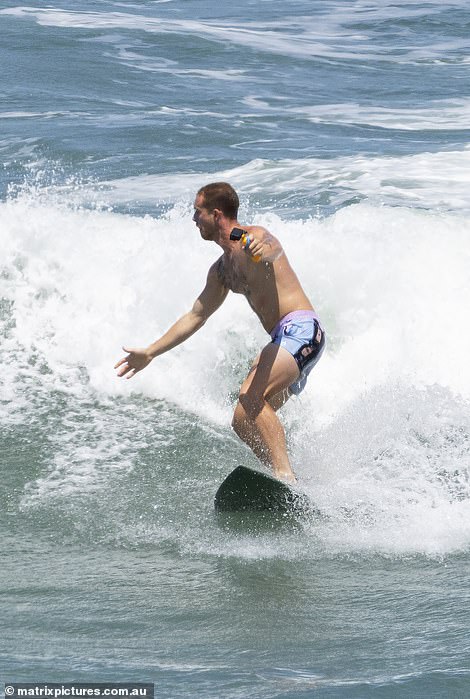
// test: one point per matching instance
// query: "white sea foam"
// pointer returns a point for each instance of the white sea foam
(381, 434)
(160, 65)
(327, 36)
(428, 180)
(28, 115)
(437, 115)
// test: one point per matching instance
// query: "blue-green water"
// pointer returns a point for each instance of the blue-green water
(345, 128)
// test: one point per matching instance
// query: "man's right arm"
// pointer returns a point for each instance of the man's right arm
(208, 301)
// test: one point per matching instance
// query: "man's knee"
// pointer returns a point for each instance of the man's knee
(247, 410)
(238, 419)
(251, 404)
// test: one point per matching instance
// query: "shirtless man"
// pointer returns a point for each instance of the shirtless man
(257, 267)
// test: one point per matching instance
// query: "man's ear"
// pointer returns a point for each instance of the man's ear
(217, 214)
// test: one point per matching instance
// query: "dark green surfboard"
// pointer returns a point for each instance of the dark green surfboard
(248, 490)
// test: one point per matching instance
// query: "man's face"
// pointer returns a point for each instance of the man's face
(204, 219)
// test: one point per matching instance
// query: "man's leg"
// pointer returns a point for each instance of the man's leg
(261, 394)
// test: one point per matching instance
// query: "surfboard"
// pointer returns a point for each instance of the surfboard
(248, 490)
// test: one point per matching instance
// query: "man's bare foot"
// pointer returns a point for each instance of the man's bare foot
(286, 476)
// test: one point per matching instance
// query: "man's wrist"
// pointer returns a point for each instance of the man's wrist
(151, 352)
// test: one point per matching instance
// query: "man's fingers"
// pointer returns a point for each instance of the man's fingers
(256, 246)
(127, 370)
(124, 359)
(131, 364)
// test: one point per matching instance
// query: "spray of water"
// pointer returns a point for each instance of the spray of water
(380, 436)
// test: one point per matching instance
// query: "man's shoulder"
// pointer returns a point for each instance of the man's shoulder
(257, 230)
(262, 233)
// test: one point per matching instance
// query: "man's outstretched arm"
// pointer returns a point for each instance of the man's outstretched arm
(207, 302)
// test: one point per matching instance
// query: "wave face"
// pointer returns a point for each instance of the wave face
(382, 427)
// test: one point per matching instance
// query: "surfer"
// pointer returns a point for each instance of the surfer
(254, 264)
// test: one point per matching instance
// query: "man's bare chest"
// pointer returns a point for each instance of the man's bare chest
(234, 276)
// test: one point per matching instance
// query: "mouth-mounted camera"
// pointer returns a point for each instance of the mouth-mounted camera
(237, 234)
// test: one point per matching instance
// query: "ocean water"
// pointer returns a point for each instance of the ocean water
(345, 126)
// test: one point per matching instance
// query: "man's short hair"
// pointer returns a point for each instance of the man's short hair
(221, 195)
